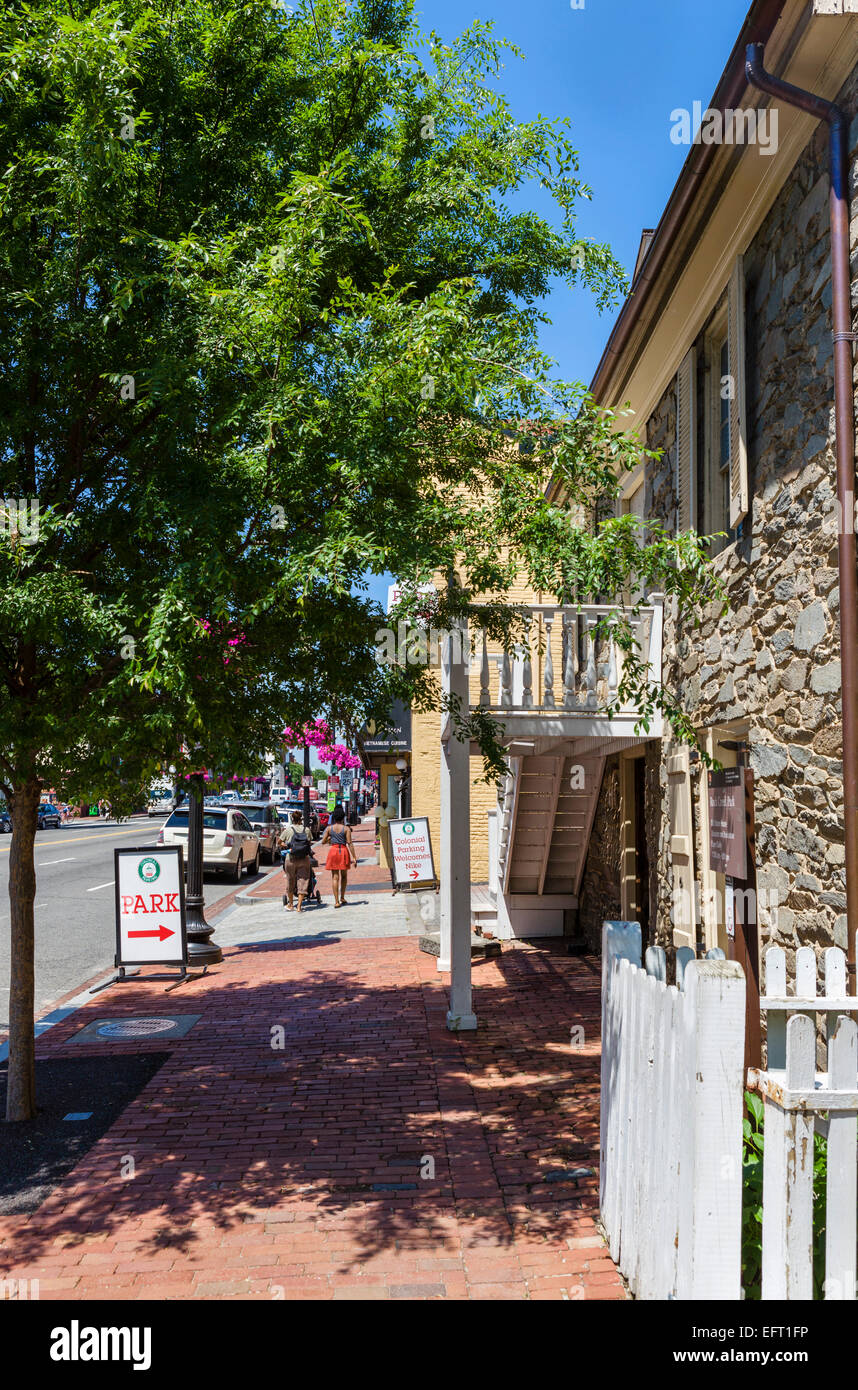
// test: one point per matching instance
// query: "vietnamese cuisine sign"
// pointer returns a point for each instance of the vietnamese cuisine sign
(727, 837)
(150, 906)
(411, 851)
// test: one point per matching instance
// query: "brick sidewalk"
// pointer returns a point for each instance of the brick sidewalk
(307, 1171)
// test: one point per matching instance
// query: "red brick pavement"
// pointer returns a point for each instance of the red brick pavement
(372, 1156)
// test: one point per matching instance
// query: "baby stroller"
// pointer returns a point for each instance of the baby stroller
(312, 895)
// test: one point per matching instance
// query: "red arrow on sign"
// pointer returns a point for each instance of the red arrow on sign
(414, 874)
(162, 932)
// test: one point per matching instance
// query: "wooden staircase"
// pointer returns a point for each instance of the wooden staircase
(546, 811)
(553, 817)
(576, 804)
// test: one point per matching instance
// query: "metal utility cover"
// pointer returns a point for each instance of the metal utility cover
(164, 1027)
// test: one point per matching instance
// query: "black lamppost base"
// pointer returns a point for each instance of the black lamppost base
(201, 949)
(204, 953)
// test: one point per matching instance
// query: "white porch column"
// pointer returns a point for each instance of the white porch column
(455, 954)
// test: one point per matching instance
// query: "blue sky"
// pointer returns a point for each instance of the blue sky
(616, 68)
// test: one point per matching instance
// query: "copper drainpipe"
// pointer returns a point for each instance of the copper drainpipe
(841, 284)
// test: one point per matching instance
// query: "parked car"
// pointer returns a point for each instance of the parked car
(321, 809)
(231, 797)
(296, 803)
(49, 814)
(160, 801)
(230, 843)
(266, 823)
(5, 820)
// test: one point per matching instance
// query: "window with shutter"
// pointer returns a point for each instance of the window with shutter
(681, 847)
(738, 415)
(686, 443)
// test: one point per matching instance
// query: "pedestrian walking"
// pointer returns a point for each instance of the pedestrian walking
(298, 860)
(341, 854)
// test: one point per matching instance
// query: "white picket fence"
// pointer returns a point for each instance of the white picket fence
(671, 1119)
(796, 1099)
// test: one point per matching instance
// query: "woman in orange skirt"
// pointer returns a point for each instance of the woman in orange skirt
(341, 855)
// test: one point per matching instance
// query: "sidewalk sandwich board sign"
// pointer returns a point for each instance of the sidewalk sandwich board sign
(412, 864)
(151, 928)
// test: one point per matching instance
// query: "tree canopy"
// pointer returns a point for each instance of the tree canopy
(269, 324)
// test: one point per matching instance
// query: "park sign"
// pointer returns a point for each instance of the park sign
(150, 906)
(411, 852)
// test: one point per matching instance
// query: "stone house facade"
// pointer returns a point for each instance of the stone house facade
(729, 369)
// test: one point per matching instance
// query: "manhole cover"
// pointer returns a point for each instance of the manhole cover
(136, 1027)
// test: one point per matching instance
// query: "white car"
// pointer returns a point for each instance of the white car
(230, 843)
(160, 801)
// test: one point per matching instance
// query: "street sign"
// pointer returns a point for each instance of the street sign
(411, 852)
(398, 736)
(332, 800)
(334, 784)
(396, 592)
(150, 906)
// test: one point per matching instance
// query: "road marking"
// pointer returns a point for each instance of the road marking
(104, 835)
(46, 863)
(109, 884)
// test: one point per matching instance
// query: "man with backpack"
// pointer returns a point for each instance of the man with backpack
(297, 861)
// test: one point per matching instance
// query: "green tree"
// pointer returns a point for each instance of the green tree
(269, 322)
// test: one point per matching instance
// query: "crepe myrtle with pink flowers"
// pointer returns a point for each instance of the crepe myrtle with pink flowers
(317, 734)
(222, 631)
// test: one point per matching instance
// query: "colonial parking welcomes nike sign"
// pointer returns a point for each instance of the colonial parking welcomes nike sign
(411, 851)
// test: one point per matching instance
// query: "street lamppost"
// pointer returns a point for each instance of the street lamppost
(403, 782)
(307, 787)
(201, 949)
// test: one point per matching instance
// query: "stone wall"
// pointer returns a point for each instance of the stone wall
(599, 897)
(772, 657)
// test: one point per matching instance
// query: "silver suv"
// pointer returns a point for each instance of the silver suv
(296, 803)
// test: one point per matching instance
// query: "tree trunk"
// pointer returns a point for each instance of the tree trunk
(21, 1092)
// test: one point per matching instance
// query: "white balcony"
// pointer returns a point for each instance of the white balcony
(561, 682)
(555, 698)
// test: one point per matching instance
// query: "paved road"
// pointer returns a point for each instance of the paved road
(75, 931)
